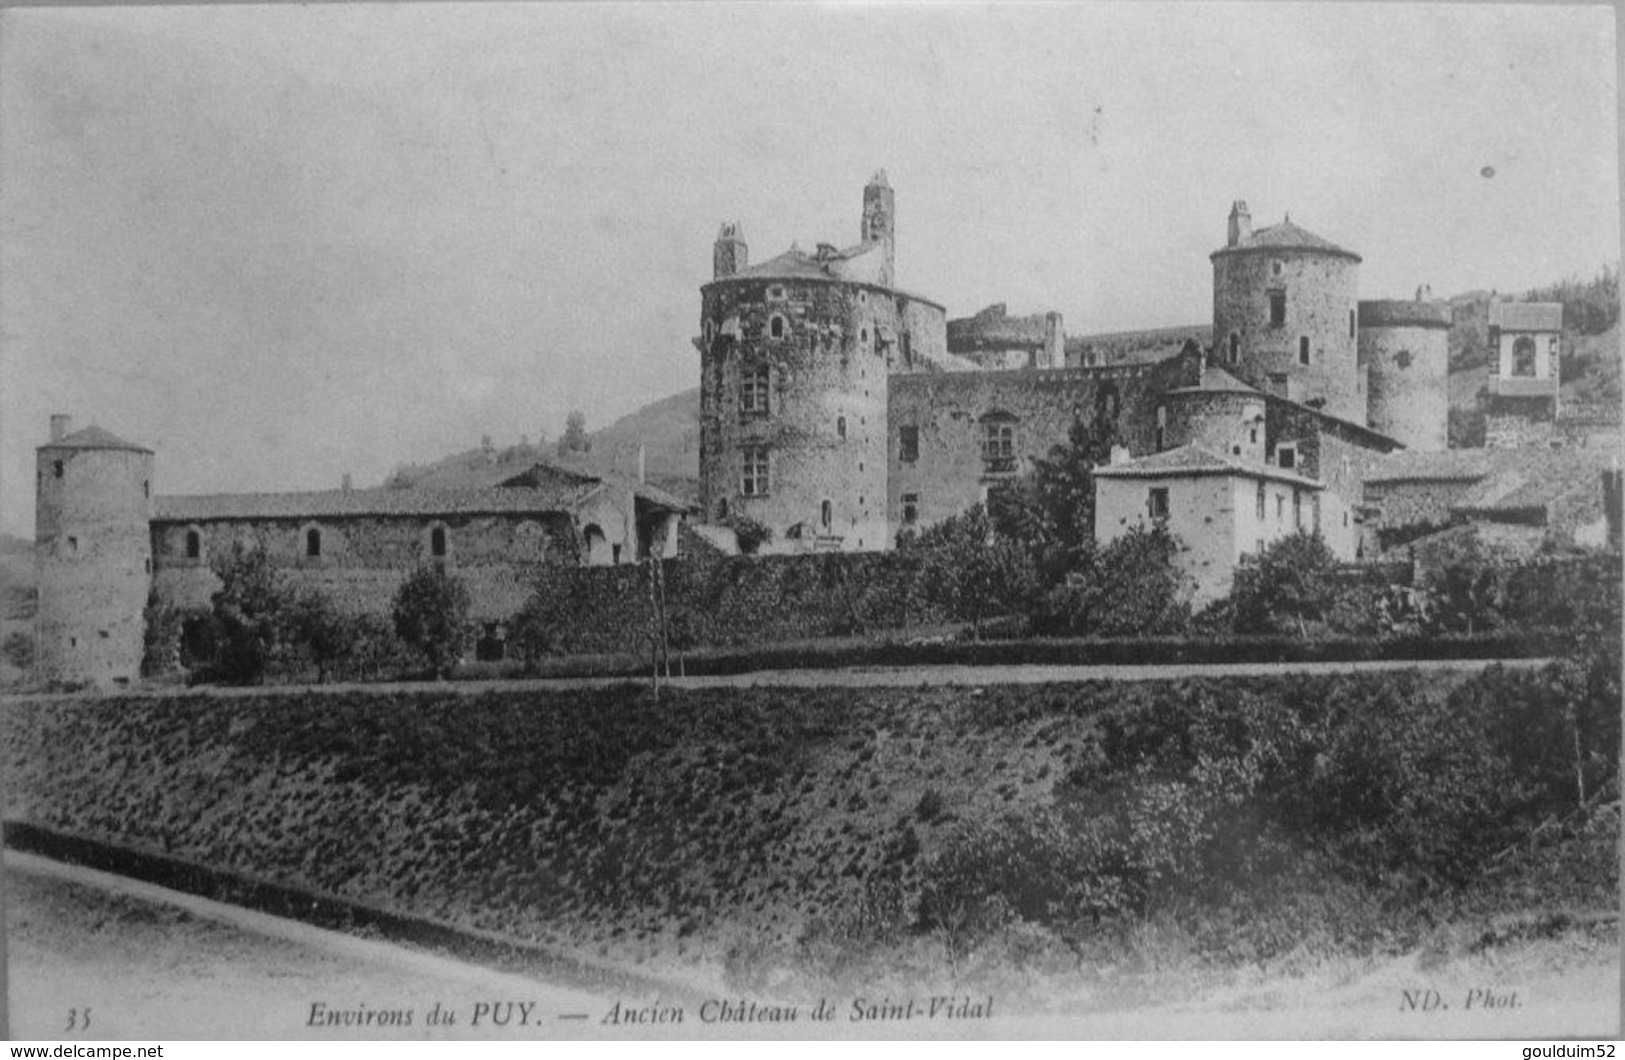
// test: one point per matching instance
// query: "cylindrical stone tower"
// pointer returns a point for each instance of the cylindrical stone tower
(795, 354)
(1284, 314)
(93, 551)
(1406, 347)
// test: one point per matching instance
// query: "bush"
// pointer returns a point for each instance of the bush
(973, 572)
(325, 635)
(247, 616)
(431, 616)
(1131, 587)
(161, 638)
(1286, 588)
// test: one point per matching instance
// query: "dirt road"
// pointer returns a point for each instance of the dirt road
(147, 963)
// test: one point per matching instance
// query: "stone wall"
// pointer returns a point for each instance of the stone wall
(824, 429)
(1408, 358)
(950, 412)
(94, 563)
(1321, 291)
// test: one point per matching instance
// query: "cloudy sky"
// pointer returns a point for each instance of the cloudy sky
(279, 243)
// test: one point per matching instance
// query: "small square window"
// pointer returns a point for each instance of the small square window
(1158, 503)
(1286, 457)
(775, 294)
(56, 468)
(911, 509)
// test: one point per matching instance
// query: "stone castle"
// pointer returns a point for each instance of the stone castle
(837, 410)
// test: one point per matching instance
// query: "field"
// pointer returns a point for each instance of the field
(1079, 847)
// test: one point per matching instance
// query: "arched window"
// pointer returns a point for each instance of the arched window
(1523, 356)
(313, 543)
(194, 544)
(437, 541)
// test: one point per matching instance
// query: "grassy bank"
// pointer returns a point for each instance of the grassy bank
(1104, 837)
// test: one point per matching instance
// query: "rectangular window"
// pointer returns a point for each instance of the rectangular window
(1297, 509)
(1280, 507)
(908, 443)
(911, 509)
(1351, 323)
(1303, 349)
(1286, 456)
(1157, 503)
(753, 479)
(907, 349)
(1277, 308)
(754, 384)
(998, 440)
(1260, 502)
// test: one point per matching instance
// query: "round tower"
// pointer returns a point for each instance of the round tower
(1284, 314)
(795, 354)
(1406, 348)
(93, 551)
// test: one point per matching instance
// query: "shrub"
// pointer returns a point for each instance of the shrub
(1288, 587)
(161, 638)
(431, 616)
(974, 572)
(324, 634)
(1130, 587)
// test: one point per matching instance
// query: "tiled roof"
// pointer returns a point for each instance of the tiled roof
(1527, 316)
(94, 437)
(791, 265)
(1215, 378)
(1199, 460)
(1378, 313)
(1534, 483)
(1285, 236)
(327, 504)
(1449, 465)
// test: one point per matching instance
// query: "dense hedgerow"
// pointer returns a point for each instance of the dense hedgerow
(1031, 821)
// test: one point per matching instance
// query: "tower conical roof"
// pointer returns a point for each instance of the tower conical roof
(94, 437)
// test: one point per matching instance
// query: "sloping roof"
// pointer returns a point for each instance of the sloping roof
(1285, 236)
(1533, 484)
(1215, 378)
(1378, 313)
(1189, 460)
(327, 504)
(1449, 465)
(94, 437)
(791, 265)
(1527, 316)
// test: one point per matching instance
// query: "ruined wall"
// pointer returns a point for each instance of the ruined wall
(1321, 291)
(94, 563)
(1406, 348)
(824, 427)
(950, 412)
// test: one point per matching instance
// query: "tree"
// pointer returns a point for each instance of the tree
(325, 633)
(974, 571)
(247, 614)
(161, 638)
(431, 616)
(1051, 509)
(574, 439)
(1129, 587)
(1287, 588)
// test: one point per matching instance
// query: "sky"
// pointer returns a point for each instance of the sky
(282, 243)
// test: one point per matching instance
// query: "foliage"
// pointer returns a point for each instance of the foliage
(975, 572)
(1286, 588)
(1051, 509)
(325, 635)
(1130, 587)
(18, 650)
(574, 439)
(161, 638)
(1590, 307)
(247, 615)
(751, 534)
(1466, 427)
(431, 615)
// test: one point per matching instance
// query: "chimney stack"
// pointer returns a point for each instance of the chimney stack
(642, 469)
(1241, 224)
(61, 426)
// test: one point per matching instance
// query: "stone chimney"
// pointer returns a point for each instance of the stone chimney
(1054, 341)
(729, 255)
(1424, 293)
(61, 426)
(1120, 454)
(1241, 224)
